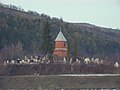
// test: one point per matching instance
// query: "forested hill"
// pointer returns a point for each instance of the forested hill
(21, 34)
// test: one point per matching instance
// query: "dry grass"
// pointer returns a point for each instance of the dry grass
(53, 81)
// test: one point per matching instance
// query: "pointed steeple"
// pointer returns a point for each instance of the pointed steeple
(60, 36)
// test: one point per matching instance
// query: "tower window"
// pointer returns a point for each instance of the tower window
(64, 44)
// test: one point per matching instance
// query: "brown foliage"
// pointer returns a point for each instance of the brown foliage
(54, 69)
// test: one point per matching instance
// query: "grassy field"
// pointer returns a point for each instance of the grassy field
(54, 81)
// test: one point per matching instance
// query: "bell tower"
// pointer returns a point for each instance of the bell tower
(60, 45)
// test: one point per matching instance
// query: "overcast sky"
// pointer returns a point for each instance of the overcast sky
(105, 13)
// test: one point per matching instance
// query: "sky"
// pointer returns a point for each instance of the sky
(104, 13)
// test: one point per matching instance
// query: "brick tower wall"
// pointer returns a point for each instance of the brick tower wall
(60, 48)
(60, 44)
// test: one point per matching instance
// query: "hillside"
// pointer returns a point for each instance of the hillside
(21, 33)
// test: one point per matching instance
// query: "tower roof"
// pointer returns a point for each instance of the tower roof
(60, 37)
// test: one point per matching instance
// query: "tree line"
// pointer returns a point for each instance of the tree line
(23, 36)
